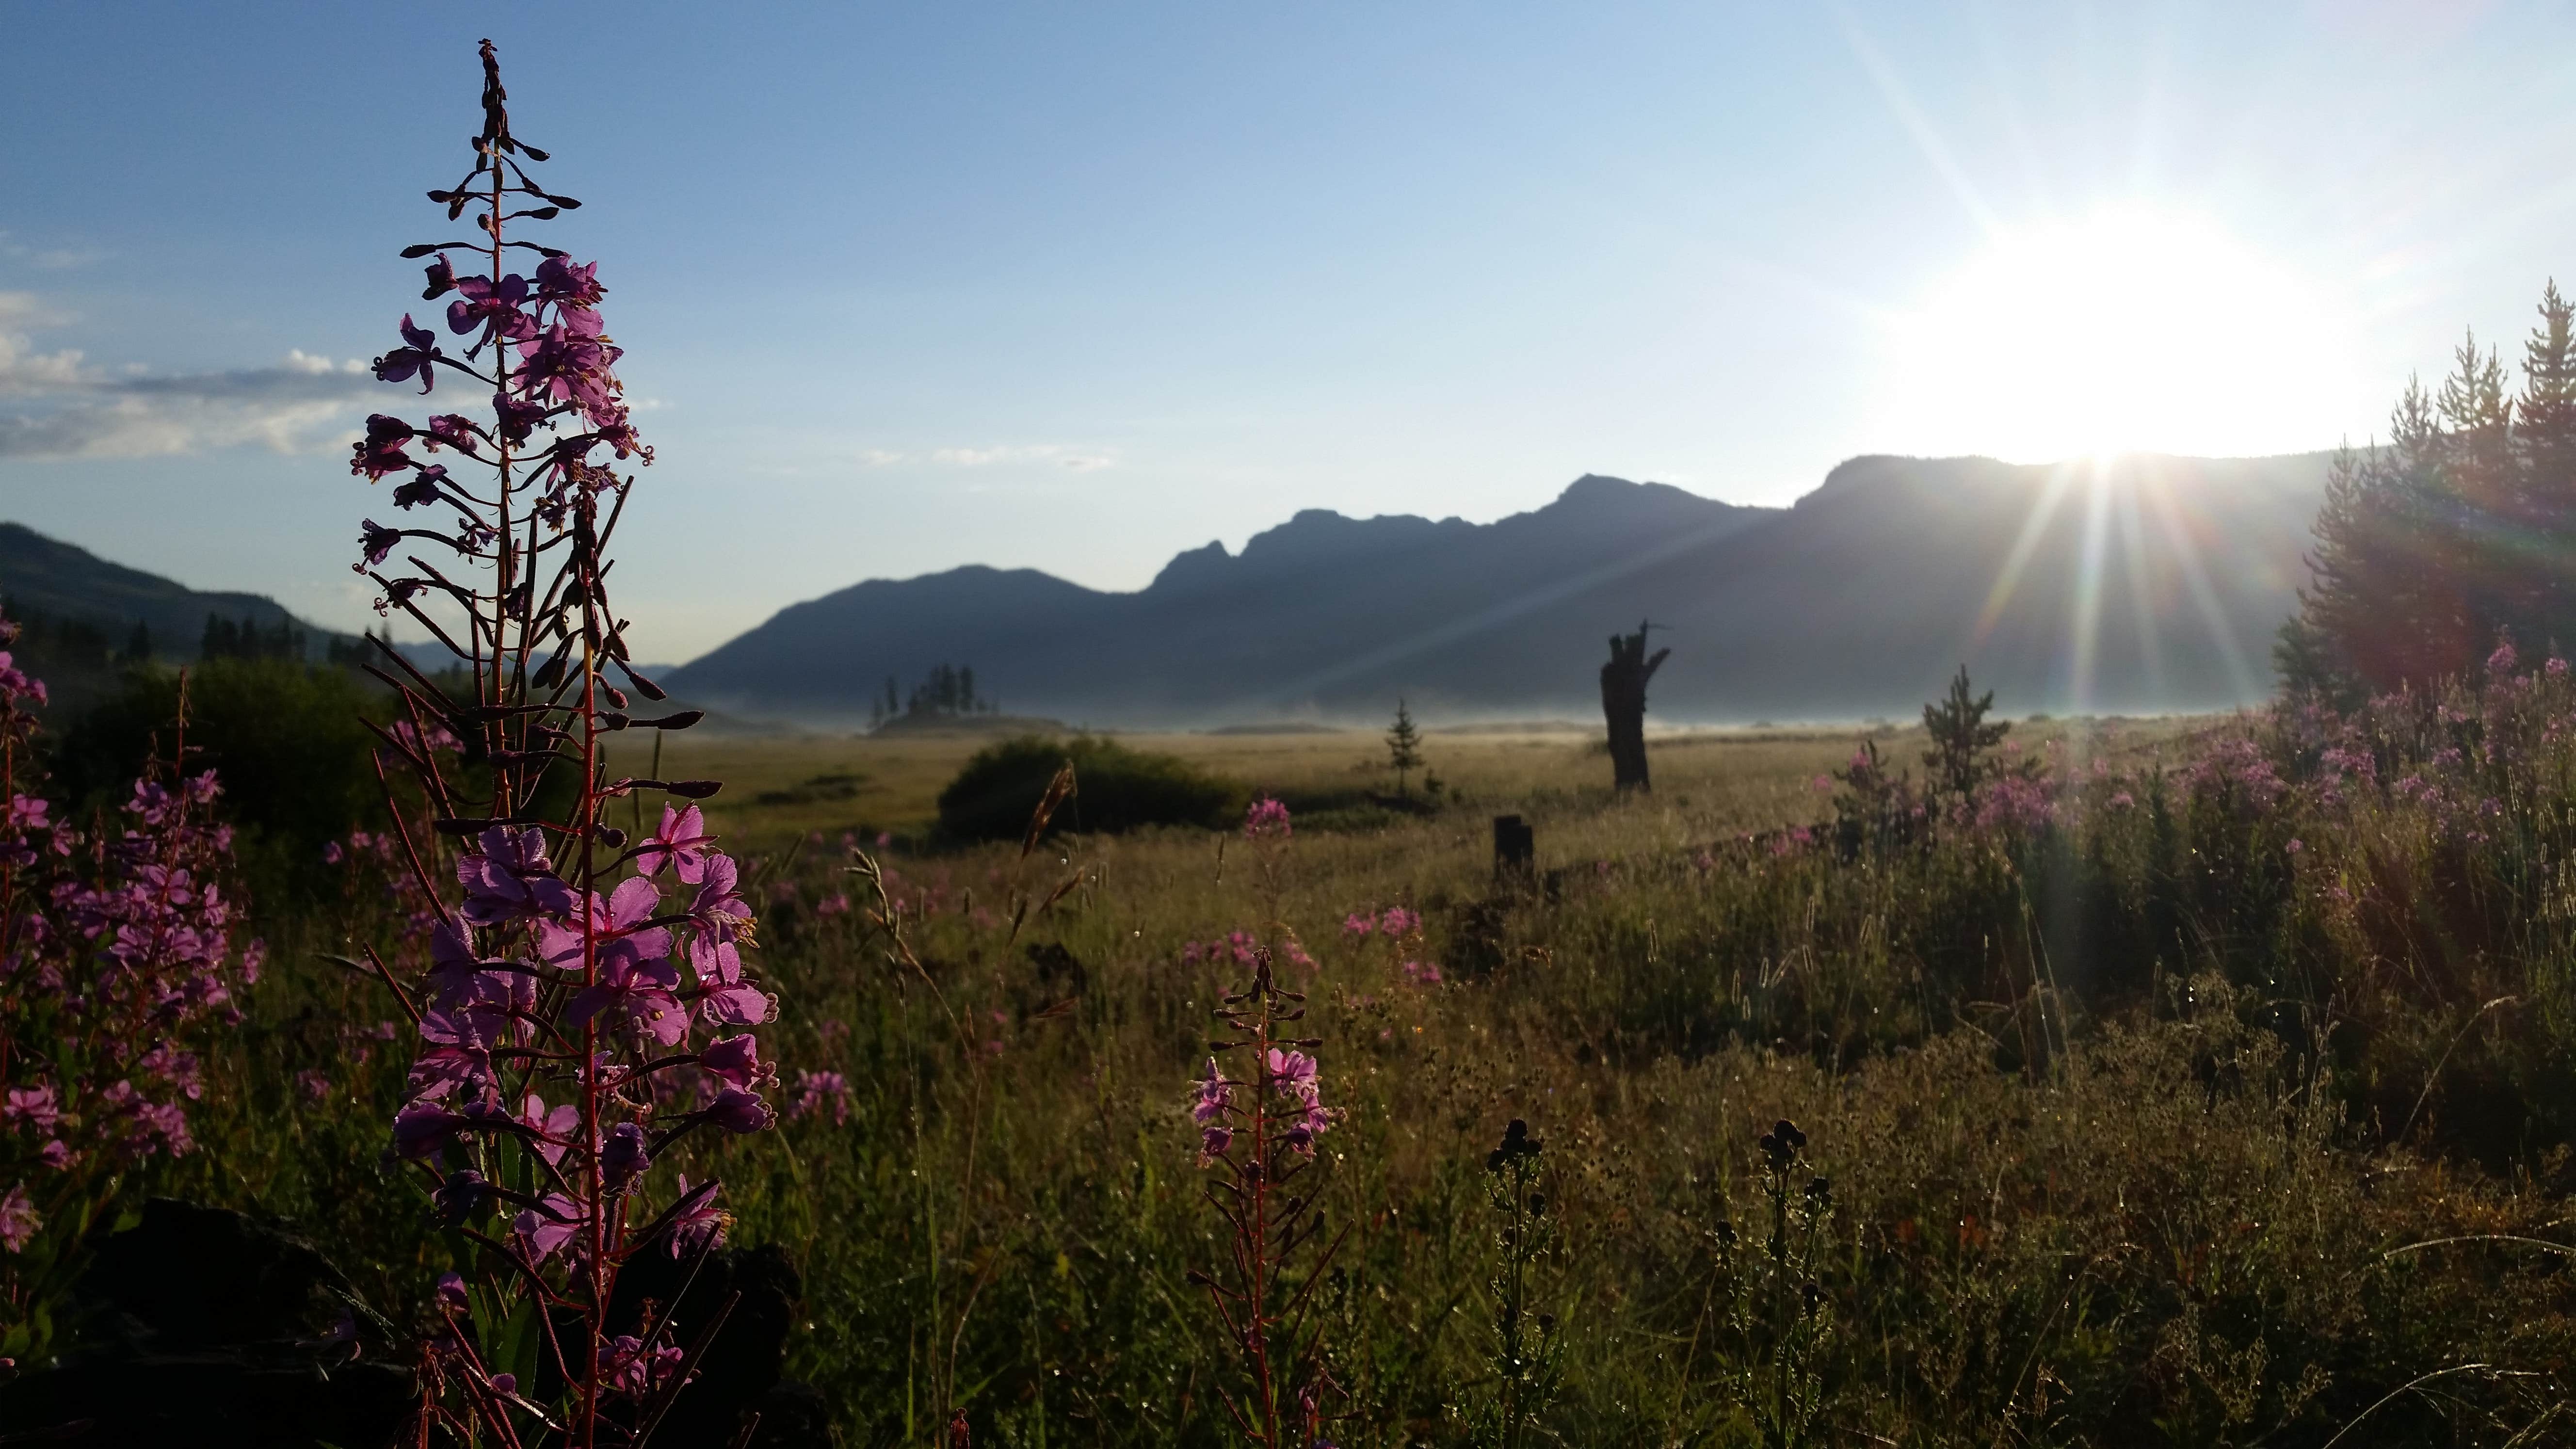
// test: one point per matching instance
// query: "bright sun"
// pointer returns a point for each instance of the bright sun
(2128, 329)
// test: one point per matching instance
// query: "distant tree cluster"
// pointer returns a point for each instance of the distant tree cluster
(74, 644)
(946, 692)
(2458, 531)
(246, 639)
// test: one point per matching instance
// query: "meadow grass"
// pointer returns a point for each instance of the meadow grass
(2117, 1132)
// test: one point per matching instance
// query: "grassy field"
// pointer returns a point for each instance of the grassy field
(2210, 1099)
(1709, 784)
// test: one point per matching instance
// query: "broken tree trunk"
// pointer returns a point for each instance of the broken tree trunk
(1623, 704)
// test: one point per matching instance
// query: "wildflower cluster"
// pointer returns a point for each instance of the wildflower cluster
(1259, 1133)
(1400, 929)
(586, 1003)
(117, 955)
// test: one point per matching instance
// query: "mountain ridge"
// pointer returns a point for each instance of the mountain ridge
(65, 581)
(1326, 616)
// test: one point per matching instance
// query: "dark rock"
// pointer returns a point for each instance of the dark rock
(793, 1416)
(741, 1365)
(215, 1399)
(204, 1327)
(190, 1277)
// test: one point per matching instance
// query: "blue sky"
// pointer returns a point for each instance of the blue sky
(1077, 286)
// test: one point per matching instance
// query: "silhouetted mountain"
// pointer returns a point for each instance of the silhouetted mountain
(62, 581)
(2144, 584)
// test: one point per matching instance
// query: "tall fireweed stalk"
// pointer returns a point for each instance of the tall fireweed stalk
(564, 1054)
(1257, 1133)
(117, 961)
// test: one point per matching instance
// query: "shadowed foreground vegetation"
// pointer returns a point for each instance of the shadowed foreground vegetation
(2207, 1086)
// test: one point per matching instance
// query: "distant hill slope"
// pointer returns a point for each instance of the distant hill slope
(63, 581)
(2146, 584)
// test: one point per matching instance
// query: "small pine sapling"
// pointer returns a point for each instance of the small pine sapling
(1960, 740)
(1403, 748)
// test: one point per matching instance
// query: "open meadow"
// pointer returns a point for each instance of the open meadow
(451, 1035)
(2178, 1089)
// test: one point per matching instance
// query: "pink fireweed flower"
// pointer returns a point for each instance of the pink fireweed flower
(510, 879)
(696, 1221)
(736, 1110)
(680, 844)
(1267, 818)
(736, 1059)
(729, 1000)
(637, 998)
(1213, 1095)
(1399, 922)
(1422, 973)
(455, 1052)
(547, 1226)
(423, 1129)
(631, 1369)
(18, 1219)
(616, 923)
(623, 1158)
(463, 1197)
(719, 906)
(1358, 923)
(450, 1292)
(483, 991)
(32, 1108)
(549, 1132)
(813, 1089)
(1289, 1071)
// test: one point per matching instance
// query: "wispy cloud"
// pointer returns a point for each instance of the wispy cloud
(1063, 455)
(59, 405)
(51, 259)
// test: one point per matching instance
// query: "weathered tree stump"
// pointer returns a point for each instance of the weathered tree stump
(1623, 704)
(1515, 846)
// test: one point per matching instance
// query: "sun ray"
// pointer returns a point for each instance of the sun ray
(1918, 126)
(2086, 621)
(2008, 577)
(2196, 579)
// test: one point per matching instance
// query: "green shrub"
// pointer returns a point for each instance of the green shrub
(1115, 789)
(284, 739)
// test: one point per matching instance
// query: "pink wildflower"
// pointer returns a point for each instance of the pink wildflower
(18, 1219)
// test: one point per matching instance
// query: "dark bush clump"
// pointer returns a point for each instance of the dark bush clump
(1115, 789)
(285, 740)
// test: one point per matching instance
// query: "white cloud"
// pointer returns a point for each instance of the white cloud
(52, 259)
(55, 405)
(1063, 455)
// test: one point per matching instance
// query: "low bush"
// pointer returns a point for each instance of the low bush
(1115, 789)
(286, 740)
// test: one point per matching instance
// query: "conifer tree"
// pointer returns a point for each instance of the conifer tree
(1960, 738)
(2545, 439)
(1403, 747)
